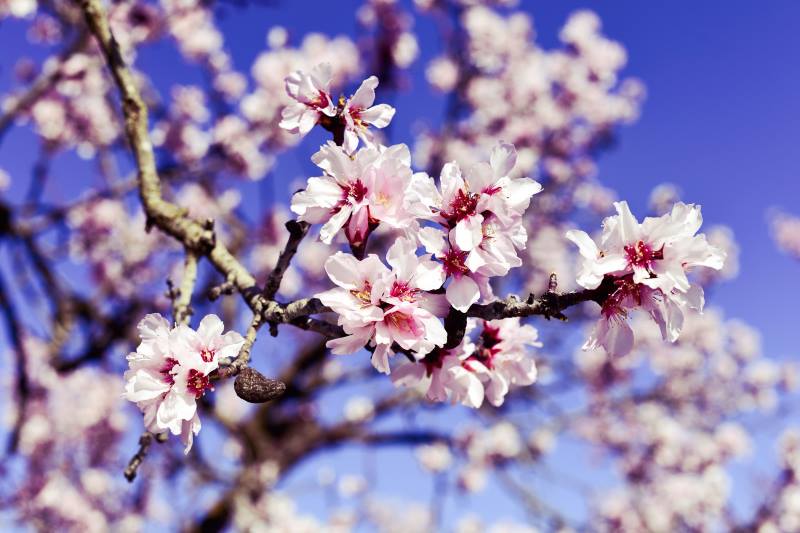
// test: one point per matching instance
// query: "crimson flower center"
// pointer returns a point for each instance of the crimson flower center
(462, 206)
(207, 354)
(642, 254)
(166, 370)
(355, 192)
(453, 262)
(198, 383)
(402, 291)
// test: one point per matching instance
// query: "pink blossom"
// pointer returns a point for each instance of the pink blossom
(473, 371)
(358, 193)
(441, 376)
(312, 99)
(170, 370)
(359, 114)
(465, 287)
(382, 307)
(649, 264)
(502, 350)
(481, 215)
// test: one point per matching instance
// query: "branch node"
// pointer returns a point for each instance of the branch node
(226, 287)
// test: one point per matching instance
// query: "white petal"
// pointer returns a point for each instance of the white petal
(462, 293)
(502, 159)
(379, 116)
(468, 233)
(628, 225)
(343, 270)
(211, 326)
(586, 246)
(364, 95)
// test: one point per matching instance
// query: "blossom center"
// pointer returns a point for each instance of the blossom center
(402, 291)
(462, 206)
(207, 354)
(166, 370)
(355, 192)
(627, 291)
(364, 295)
(453, 262)
(198, 383)
(642, 254)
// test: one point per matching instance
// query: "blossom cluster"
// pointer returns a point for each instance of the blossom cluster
(171, 369)
(386, 306)
(471, 227)
(485, 368)
(648, 265)
(71, 428)
(420, 253)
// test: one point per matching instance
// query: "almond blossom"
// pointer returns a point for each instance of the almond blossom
(465, 287)
(169, 371)
(502, 350)
(312, 99)
(358, 193)
(480, 213)
(476, 370)
(649, 263)
(359, 114)
(382, 307)
(441, 376)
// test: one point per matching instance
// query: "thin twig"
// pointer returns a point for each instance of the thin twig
(297, 231)
(145, 441)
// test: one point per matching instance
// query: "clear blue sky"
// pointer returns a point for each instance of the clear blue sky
(721, 120)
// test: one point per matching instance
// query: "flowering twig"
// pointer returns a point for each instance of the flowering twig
(200, 237)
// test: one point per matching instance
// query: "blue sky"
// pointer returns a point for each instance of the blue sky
(721, 120)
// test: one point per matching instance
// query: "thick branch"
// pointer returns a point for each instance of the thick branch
(165, 215)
